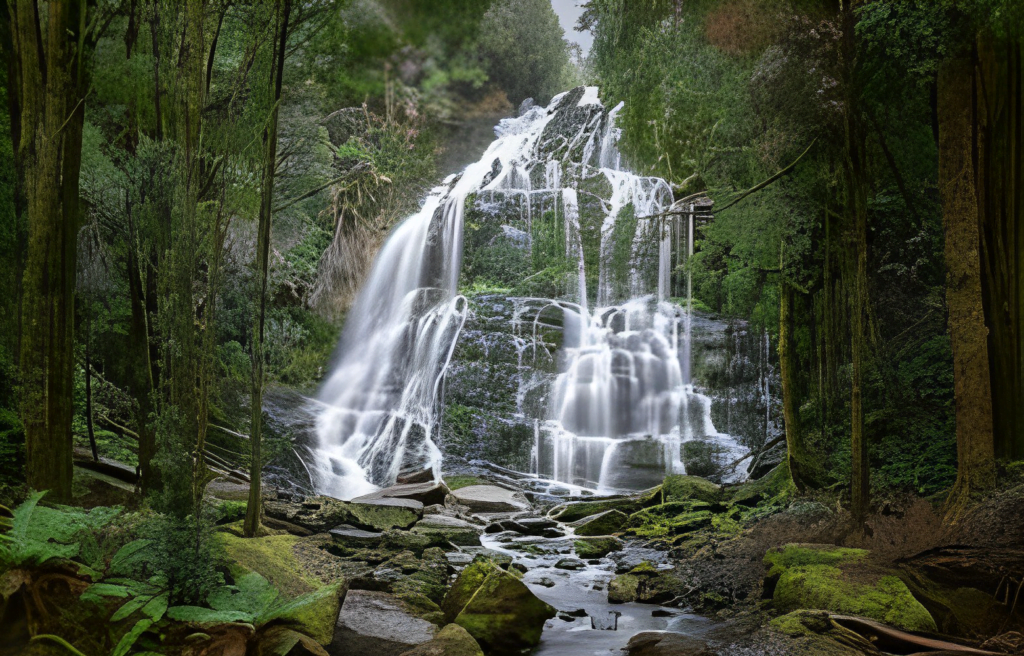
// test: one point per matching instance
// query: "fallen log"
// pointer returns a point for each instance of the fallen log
(890, 639)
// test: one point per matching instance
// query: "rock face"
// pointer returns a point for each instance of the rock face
(442, 530)
(605, 523)
(496, 608)
(490, 499)
(377, 624)
(663, 643)
(453, 640)
(841, 580)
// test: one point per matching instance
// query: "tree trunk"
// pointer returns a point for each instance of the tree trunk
(998, 154)
(139, 347)
(253, 508)
(796, 453)
(967, 331)
(50, 88)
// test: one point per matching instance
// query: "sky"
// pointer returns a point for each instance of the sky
(568, 11)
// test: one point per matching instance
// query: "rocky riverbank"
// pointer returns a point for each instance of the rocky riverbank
(494, 563)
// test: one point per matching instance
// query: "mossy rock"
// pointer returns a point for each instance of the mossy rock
(272, 557)
(776, 485)
(623, 589)
(606, 523)
(841, 580)
(496, 608)
(573, 512)
(671, 519)
(385, 514)
(678, 487)
(596, 547)
(462, 480)
(813, 633)
(452, 640)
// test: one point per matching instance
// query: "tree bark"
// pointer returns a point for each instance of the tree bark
(998, 142)
(967, 330)
(252, 513)
(50, 86)
(796, 453)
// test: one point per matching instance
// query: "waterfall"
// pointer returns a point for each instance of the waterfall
(621, 407)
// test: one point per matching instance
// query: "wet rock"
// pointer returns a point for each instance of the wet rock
(443, 530)
(570, 564)
(607, 621)
(384, 513)
(405, 541)
(765, 461)
(596, 547)
(427, 493)
(355, 538)
(666, 643)
(458, 560)
(489, 499)
(841, 580)
(605, 523)
(452, 640)
(577, 510)
(416, 476)
(546, 582)
(379, 624)
(531, 526)
(644, 583)
(496, 608)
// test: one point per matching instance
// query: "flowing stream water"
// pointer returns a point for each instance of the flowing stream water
(622, 405)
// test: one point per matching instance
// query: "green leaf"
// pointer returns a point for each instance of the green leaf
(129, 639)
(97, 591)
(129, 607)
(156, 608)
(130, 555)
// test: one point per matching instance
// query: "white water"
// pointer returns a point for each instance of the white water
(623, 403)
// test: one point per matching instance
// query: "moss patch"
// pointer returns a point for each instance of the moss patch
(273, 557)
(682, 488)
(842, 581)
(460, 481)
(596, 547)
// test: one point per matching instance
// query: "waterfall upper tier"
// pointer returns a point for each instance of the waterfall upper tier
(583, 252)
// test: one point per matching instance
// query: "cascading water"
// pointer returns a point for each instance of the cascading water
(620, 410)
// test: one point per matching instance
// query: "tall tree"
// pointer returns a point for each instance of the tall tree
(252, 512)
(50, 65)
(967, 330)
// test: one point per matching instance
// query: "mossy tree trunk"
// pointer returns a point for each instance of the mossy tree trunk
(252, 512)
(796, 452)
(967, 330)
(48, 47)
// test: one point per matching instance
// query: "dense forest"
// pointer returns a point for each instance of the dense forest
(717, 349)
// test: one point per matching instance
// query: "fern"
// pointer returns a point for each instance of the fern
(38, 534)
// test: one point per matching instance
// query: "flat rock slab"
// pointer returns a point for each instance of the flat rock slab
(443, 529)
(377, 624)
(384, 513)
(356, 538)
(428, 493)
(490, 499)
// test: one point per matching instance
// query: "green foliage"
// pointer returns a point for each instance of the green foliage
(40, 534)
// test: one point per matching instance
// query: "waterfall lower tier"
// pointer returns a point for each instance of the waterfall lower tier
(600, 398)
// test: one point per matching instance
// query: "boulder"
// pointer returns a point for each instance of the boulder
(452, 640)
(596, 547)
(666, 643)
(539, 526)
(605, 523)
(570, 564)
(684, 488)
(377, 624)
(318, 514)
(813, 633)
(496, 608)
(385, 513)
(355, 538)
(442, 530)
(427, 493)
(646, 584)
(490, 499)
(841, 580)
